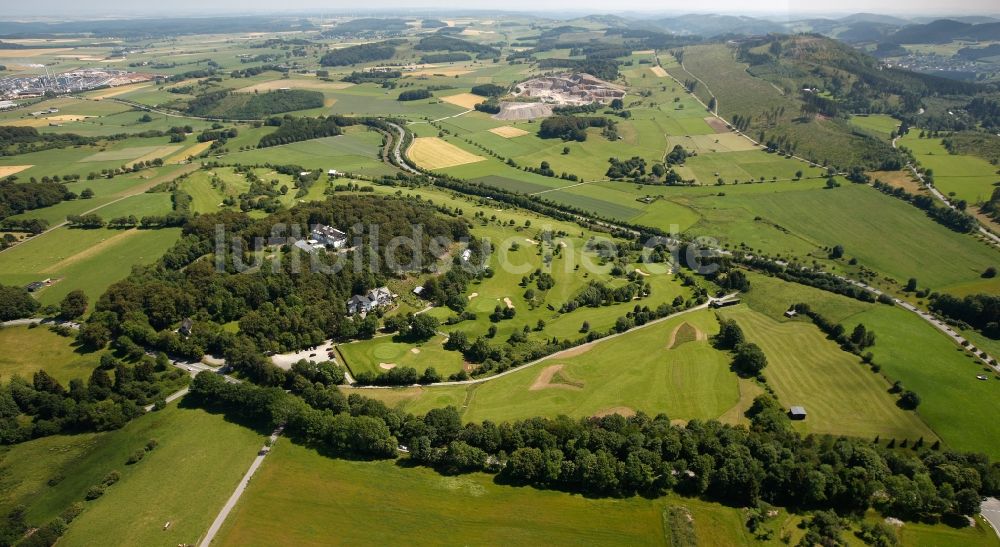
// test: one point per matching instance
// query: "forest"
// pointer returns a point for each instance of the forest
(363, 53)
(18, 197)
(294, 129)
(252, 106)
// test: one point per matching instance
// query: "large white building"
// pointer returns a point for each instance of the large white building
(328, 236)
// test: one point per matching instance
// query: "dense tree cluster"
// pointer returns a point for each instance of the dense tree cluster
(362, 53)
(570, 128)
(605, 69)
(294, 129)
(980, 311)
(438, 42)
(18, 197)
(489, 90)
(277, 309)
(381, 77)
(16, 303)
(226, 104)
(415, 95)
(114, 394)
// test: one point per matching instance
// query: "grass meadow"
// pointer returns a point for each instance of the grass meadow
(636, 371)
(907, 349)
(320, 498)
(965, 177)
(89, 260)
(27, 350)
(199, 459)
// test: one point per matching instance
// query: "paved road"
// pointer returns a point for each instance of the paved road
(396, 154)
(991, 512)
(558, 353)
(39, 321)
(240, 488)
(170, 398)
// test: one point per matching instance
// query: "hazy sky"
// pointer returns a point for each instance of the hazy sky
(62, 8)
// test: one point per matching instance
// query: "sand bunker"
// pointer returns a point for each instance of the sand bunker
(532, 241)
(684, 333)
(387, 366)
(508, 132)
(642, 273)
(620, 410)
(508, 302)
(473, 295)
(552, 377)
(415, 351)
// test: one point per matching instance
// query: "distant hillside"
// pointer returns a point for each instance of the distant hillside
(943, 31)
(718, 25)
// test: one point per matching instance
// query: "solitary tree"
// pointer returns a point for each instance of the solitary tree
(73, 305)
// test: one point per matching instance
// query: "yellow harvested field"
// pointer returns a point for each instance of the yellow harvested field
(435, 153)
(644, 52)
(296, 83)
(658, 71)
(116, 91)
(508, 132)
(440, 71)
(716, 142)
(183, 155)
(19, 53)
(8, 170)
(465, 100)
(68, 118)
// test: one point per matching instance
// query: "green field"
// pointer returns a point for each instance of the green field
(965, 177)
(368, 355)
(90, 260)
(880, 125)
(198, 461)
(320, 498)
(636, 371)
(27, 350)
(841, 395)
(908, 349)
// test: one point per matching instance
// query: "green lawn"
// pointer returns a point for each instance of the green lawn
(842, 396)
(319, 500)
(90, 260)
(26, 350)
(966, 177)
(880, 125)
(199, 459)
(636, 371)
(368, 355)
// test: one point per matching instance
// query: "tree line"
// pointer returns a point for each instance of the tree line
(614, 456)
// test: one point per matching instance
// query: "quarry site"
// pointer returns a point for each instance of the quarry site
(569, 89)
